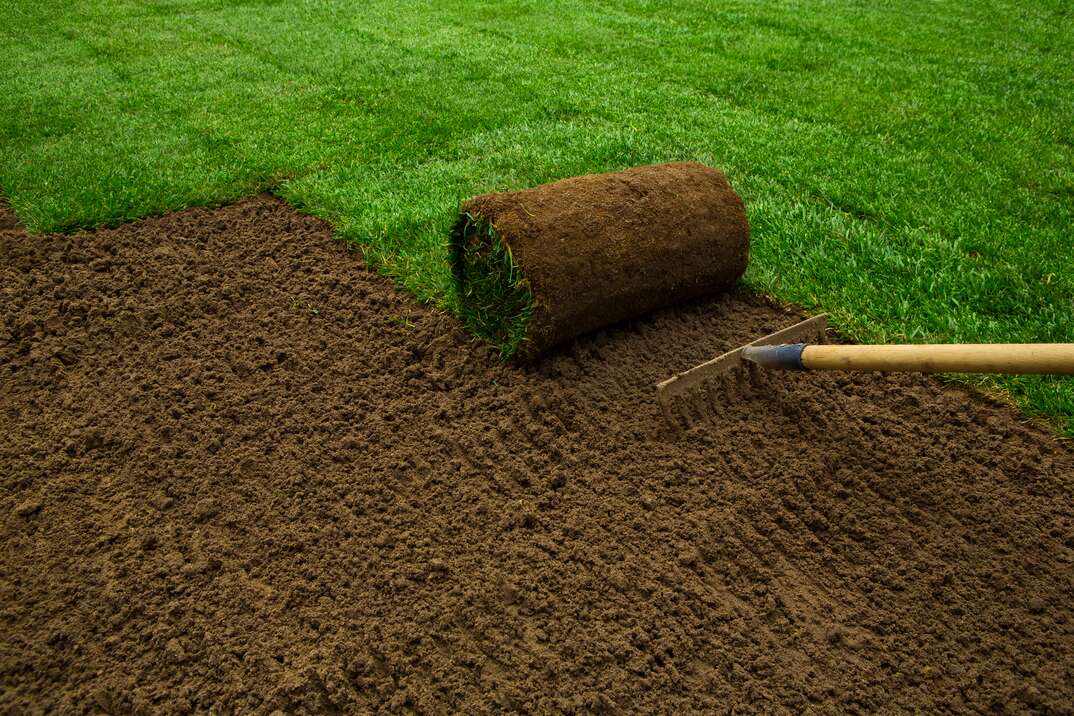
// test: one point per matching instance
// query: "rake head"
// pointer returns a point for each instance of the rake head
(686, 383)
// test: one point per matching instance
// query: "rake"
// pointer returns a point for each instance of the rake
(792, 349)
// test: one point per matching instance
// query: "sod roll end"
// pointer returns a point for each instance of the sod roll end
(536, 267)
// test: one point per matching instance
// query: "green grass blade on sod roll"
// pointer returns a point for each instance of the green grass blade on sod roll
(495, 301)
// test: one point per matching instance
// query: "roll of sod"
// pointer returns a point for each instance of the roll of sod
(536, 267)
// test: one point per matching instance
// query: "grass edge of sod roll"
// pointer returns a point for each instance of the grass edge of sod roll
(493, 298)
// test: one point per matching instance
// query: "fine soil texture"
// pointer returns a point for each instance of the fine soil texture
(537, 267)
(243, 474)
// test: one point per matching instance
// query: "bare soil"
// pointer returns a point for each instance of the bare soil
(241, 473)
(602, 248)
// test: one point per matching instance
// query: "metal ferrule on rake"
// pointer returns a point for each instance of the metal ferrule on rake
(782, 357)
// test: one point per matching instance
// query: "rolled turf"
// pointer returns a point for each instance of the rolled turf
(536, 267)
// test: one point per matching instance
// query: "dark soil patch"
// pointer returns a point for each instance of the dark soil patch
(241, 473)
(594, 250)
(8, 220)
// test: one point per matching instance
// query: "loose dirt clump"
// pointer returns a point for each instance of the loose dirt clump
(240, 473)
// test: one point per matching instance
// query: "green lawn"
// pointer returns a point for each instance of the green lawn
(907, 166)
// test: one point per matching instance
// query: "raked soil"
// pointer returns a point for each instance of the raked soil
(241, 474)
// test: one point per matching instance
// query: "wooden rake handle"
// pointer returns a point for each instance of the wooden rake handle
(1043, 358)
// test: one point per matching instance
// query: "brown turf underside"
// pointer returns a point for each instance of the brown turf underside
(241, 471)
